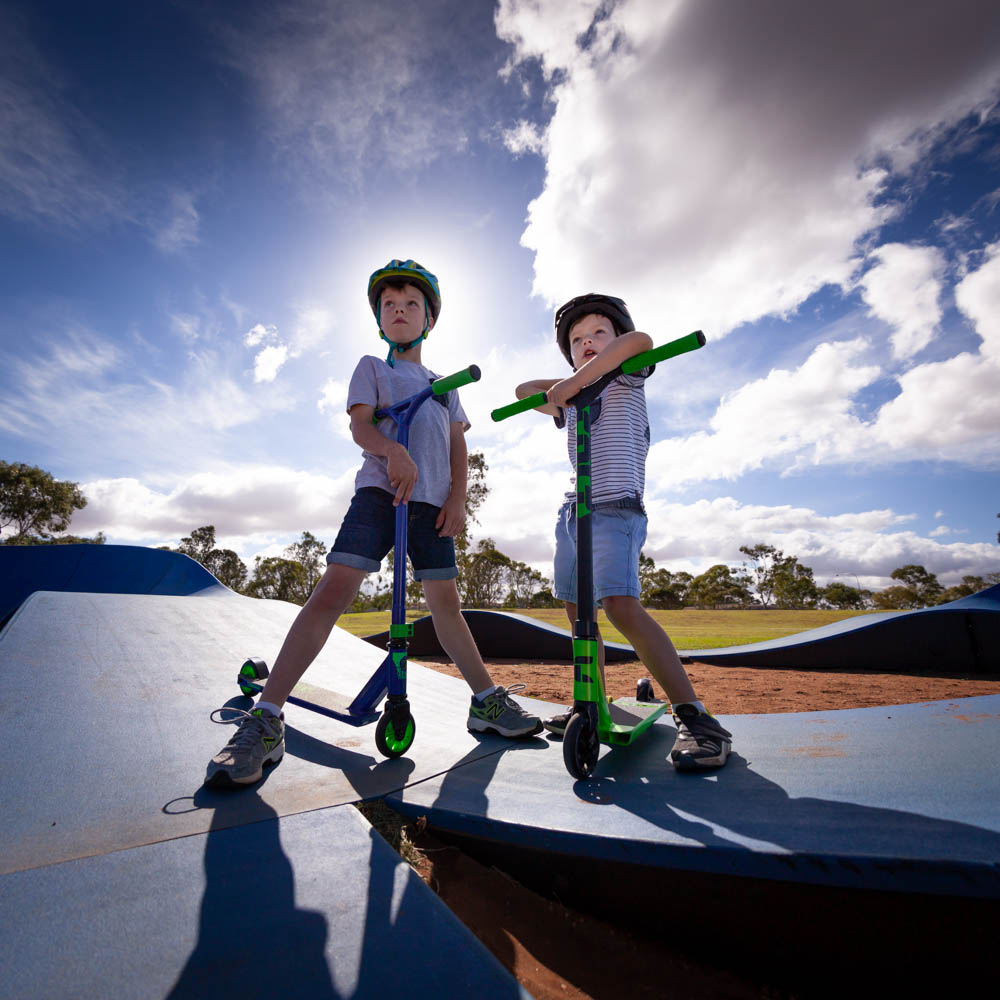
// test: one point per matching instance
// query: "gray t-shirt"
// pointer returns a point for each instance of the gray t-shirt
(376, 384)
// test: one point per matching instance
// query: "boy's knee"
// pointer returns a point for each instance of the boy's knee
(442, 597)
(336, 588)
(621, 607)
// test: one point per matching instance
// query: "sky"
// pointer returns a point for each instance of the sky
(194, 193)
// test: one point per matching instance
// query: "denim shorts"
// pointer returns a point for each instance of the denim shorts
(369, 532)
(619, 534)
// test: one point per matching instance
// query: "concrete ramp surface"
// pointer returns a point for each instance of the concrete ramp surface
(120, 875)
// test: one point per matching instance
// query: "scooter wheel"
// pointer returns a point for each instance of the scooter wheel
(580, 747)
(255, 670)
(388, 743)
(644, 690)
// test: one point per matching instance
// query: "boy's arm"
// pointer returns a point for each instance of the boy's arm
(526, 389)
(401, 469)
(451, 518)
(628, 345)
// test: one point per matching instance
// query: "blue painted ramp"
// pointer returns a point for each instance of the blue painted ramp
(120, 875)
(315, 905)
(97, 569)
(505, 635)
(902, 799)
(962, 636)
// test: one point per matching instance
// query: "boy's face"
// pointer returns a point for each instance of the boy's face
(589, 336)
(403, 313)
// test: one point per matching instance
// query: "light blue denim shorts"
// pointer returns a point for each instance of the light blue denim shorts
(619, 534)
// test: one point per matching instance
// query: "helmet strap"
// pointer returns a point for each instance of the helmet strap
(395, 349)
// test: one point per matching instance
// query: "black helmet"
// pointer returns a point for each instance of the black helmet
(607, 305)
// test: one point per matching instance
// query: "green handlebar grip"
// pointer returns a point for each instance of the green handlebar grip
(456, 381)
(528, 403)
(680, 346)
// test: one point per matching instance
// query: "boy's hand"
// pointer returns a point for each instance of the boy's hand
(451, 518)
(562, 391)
(402, 472)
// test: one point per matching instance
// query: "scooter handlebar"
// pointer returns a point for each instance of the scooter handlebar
(528, 403)
(680, 346)
(456, 381)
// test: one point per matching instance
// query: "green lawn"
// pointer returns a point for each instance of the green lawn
(689, 628)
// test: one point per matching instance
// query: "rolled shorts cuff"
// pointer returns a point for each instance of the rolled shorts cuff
(438, 573)
(353, 560)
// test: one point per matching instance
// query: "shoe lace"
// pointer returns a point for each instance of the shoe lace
(248, 733)
(505, 695)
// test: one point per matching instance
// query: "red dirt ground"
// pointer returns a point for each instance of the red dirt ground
(558, 953)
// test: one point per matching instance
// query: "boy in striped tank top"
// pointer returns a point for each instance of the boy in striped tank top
(596, 334)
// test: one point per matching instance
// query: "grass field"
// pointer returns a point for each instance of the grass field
(689, 628)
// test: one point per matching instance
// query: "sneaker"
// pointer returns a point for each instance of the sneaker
(499, 713)
(557, 724)
(260, 740)
(701, 742)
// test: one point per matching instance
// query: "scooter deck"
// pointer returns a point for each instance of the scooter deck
(630, 718)
(320, 700)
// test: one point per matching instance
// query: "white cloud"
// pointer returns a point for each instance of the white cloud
(268, 363)
(346, 86)
(180, 230)
(715, 163)
(870, 544)
(786, 420)
(55, 166)
(524, 137)
(258, 333)
(250, 506)
(80, 394)
(904, 289)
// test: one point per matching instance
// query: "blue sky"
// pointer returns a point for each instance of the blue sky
(192, 196)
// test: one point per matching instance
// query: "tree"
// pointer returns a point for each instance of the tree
(794, 586)
(277, 579)
(719, 585)
(483, 583)
(918, 588)
(668, 590)
(524, 584)
(224, 564)
(660, 588)
(840, 595)
(35, 503)
(970, 585)
(764, 560)
(310, 552)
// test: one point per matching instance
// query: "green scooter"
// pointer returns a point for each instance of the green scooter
(594, 720)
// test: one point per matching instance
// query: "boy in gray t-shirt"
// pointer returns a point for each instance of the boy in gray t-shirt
(430, 478)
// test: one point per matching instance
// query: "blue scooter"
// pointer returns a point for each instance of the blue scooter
(396, 728)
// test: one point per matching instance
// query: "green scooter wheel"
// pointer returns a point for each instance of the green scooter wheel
(255, 670)
(388, 743)
(580, 747)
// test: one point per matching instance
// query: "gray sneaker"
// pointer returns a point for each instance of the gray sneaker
(701, 742)
(499, 713)
(558, 723)
(260, 740)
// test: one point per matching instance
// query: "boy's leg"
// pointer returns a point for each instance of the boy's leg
(260, 738)
(496, 712)
(332, 596)
(701, 741)
(652, 645)
(453, 632)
